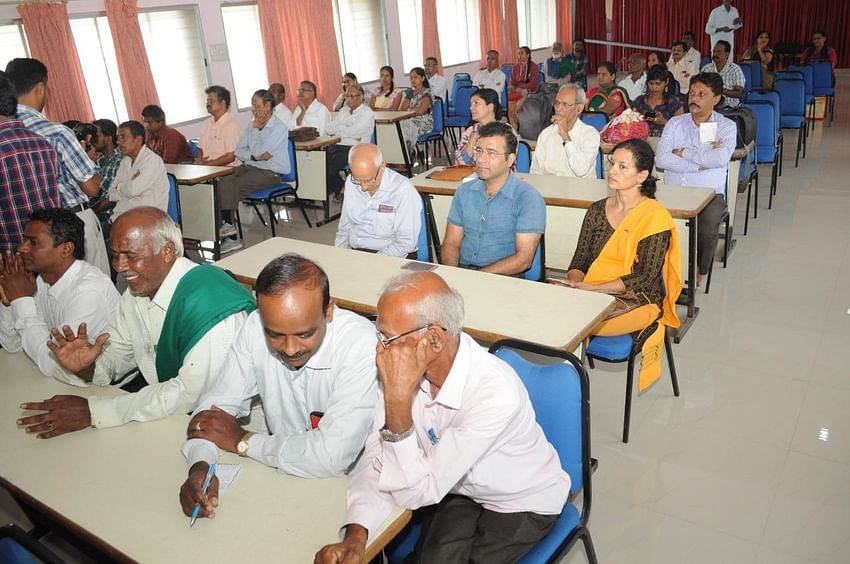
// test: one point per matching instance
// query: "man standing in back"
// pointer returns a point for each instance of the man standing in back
(722, 23)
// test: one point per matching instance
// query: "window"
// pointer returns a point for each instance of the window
(410, 18)
(362, 41)
(245, 49)
(175, 53)
(457, 21)
(100, 68)
(13, 42)
(536, 19)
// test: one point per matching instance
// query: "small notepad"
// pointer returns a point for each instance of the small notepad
(708, 132)
(226, 473)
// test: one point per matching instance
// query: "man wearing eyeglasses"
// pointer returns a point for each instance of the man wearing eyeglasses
(382, 210)
(454, 437)
(495, 221)
(568, 147)
(312, 366)
(354, 124)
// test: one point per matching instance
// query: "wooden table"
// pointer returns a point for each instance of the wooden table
(496, 306)
(312, 171)
(390, 138)
(566, 201)
(116, 489)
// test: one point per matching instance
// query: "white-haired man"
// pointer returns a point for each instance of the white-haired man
(454, 435)
(175, 323)
(568, 147)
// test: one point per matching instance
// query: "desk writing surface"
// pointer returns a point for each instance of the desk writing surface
(317, 143)
(195, 174)
(496, 306)
(392, 116)
(118, 487)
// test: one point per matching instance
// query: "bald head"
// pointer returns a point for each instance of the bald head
(422, 298)
(366, 163)
(145, 245)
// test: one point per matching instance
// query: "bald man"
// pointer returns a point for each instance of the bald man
(454, 434)
(635, 81)
(382, 210)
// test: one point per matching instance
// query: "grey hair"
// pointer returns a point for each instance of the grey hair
(379, 156)
(444, 309)
(165, 230)
(581, 98)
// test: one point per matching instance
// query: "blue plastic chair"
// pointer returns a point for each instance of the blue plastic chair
(792, 109)
(748, 77)
(754, 69)
(173, 200)
(541, 78)
(17, 547)
(808, 74)
(523, 157)
(462, 115)
(508, 70)
(704, 61)
(193, 146)
(459, 79)
(287, 187)
(595, 119)
(537, 271)
(771, 97)
(825, 85)
(423, 243)
(436, 135)
(766, 149)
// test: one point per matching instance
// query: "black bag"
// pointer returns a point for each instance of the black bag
(535, 114)
(745, 119)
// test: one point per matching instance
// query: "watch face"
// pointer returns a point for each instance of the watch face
(242, 447)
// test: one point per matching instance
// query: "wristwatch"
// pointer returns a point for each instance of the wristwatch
(390, 437)
(242, 445)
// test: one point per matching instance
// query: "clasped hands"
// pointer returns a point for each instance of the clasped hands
(15, 281)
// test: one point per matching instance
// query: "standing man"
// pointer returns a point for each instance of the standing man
(692, 56)
(281, 111)
(688, 161)
(682, 67)
(354, 124)
(635, 81)
(28, 170)
(495, 221)
(732, 75)
(568, 147)
(438, 83)
(491, 76)
(220, 133)
(722, 23)
(47, 284)
(165, 141)
(455, 438)
(78, 179)
(310, 112)
(382, 210)
(141, 178)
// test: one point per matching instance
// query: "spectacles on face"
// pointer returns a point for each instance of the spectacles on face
(358, 182)
(387, 341)
(560, 104)
(491, 153)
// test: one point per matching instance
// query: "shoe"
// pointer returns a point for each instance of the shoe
(226, 230)
(230, 245)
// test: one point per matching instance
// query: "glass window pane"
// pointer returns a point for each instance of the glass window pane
(410, 11)
(245, 49)
(457, 21)
(12, 42)
(100, 68)
(362, 40)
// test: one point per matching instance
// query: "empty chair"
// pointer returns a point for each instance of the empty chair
(808, 73)
(462, 115)
(771, 97)
(754, 70)
(436, 135)
(792, 109)
(825, 85)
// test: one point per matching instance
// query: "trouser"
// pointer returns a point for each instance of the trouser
(95, 244)
(459, 530)
(244, 180)
(708, 226)
(336, 159)
(635, 321)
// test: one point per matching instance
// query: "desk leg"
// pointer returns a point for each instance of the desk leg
(432, 227)
(690, 300)
(408, 166)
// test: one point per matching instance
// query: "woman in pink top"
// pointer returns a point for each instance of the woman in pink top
(523, 82)
(386, 96)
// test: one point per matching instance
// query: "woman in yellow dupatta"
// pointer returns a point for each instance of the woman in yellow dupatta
(628, 242)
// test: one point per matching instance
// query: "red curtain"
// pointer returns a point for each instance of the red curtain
(563, 27)
(490, 25)
(510, 41)
(590, 24)
(430, 33)
(51, 42)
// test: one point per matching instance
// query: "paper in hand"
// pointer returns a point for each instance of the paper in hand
(226, 473)
(708, 132)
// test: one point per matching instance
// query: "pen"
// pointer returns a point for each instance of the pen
(206, 487)
(433, 436)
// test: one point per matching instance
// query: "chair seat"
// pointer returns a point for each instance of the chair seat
(824, 91)
(792, 122)
(766, 154)
(271, 192)
(428, 137)
(457, 121)
(616, 348)
(546, 548)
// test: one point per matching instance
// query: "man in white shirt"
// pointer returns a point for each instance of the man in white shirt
(454, 430)
(439, 85)
(691, 54)
(175, 323)
(382, 210)
(309, 112)
(682, 67)
(635, 81)
(568, 147)
(141, 179)
(722, 23)
(281, 111)
(66, 291)
(312, 366)
(354, 124)
(220, 133)
(491, 76)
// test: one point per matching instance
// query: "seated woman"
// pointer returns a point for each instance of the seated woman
(659, 104)
(761, 52)
(523, 82)
(420, 99)
(485, 108)
(607, 96)
(386, 97)
(818, 51)
(349, 79)
(629, 243)
(654, 58)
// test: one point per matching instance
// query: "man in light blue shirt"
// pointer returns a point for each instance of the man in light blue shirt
(496, 221)
(689, 159)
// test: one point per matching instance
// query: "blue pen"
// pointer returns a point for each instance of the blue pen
(432, 434)
(206, 487)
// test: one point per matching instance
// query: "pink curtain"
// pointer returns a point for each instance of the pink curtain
(563, 27)
(51, 42)
(133, 66)
(295, 41)
(430, 33)
(510, 41)
(490, 23)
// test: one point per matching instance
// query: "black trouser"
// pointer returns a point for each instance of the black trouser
(708, 226)
(336, 159)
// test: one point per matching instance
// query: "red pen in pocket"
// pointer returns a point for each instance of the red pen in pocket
(315, 417)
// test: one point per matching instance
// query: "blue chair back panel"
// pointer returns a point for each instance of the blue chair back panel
(769, 96)
(600, 171)
(792, 96)
(748, 77)
(439, 115)
(173, 201)
(541, 78)
(523, 157)
(537, 268)
(766, 136)
(808, 73)
(508, 70)
(193, 146)
(292, 176)
(462, 101)
(595, 119)
(823, 78)
(423, 251)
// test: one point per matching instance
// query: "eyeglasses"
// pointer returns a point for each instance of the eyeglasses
(491, 153)
(386, 341)
(358, 182)
(559, 104)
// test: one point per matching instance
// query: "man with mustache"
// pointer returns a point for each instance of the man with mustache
(312, 366)
(732, 75)
(175, 323)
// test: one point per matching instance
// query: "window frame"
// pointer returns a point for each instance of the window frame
(19, 23)
(384, 58)
(234, 94)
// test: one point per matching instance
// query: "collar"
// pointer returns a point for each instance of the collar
(65, 281)
(12, 123)
(508, 189)
(166, 290)
(24, 110)
(225, 117)
(712, 117)
(451, 394)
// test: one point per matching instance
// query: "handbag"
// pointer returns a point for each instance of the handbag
(627, 125)
(625, 302)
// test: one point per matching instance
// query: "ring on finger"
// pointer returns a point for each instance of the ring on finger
(198, 426)
(50, 426)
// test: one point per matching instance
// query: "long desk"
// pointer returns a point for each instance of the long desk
(116, 489)
(390, 138)
(312, 180)
(566, 201)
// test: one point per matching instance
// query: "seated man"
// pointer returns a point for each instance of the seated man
(438, 84)
(682, 67)
(175, 323)
(495, 222)
(553, 66)
(66, 290)
(165, 141)
(354, 124)
(730, 73)
(309, 112)
(141, 178)
(458, 440)
(312, 365)
(568, 147)
(635, 81)
(692, 55)
(281, 111)
(382, 210)
(491, 76)
(220, 133)
(578, 61)
(687, 161)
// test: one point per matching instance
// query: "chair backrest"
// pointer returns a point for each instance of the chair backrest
(792, 96)
(771, 97)
(766, 133)
(537, 270)
(595, 119)
(748, 77)
(523, 157)
(808, 72)
(173, 199)
(439, 115)
(704, 61)
(755, 73)
(374, 139)
(600, 169)
(462, 100)
(459, 79)
(675, 88)
(292, 176)
(193, 146)
(822, 74)
(423, 250)
(508, 70)
(541, 78)
(503, 98)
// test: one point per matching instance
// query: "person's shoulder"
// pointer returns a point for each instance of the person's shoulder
(353, 331)
(525, 190)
